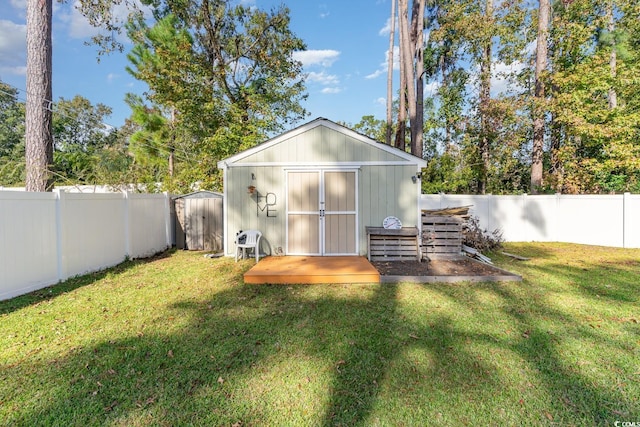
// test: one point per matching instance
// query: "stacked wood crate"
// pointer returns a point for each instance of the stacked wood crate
(442, 231)
(393, 245)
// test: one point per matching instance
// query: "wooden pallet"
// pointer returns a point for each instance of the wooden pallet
(393, 245)
(441, 234)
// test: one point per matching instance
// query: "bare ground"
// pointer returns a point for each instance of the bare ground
(462, 266)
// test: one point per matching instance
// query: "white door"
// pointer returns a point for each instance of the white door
(322, 212)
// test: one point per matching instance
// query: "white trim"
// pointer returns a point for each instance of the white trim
(411, 159)
(225, 210)
(315, 165)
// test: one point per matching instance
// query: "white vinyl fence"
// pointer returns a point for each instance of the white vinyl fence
(606, 220)
(48, 237)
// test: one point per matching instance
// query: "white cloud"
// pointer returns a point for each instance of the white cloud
(331, 90)
(431, 88)
(323, 78)
(381, 101)
(19, 4)
(324, 58)
(111, 77)
(385, 65)
(323, 11)
(500, 81)
(386, 29)
(13, 47)
(78, 27)
(375, 74)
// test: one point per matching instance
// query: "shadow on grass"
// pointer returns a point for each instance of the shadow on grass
(273, 355)
(51, 292)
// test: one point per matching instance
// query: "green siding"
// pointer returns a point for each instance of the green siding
(321, 145)
(383, 190)
(242, 209)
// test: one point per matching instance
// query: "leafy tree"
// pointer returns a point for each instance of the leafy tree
(227, 74)
(12, 164)
(80, 134)
(465, 120)
(371, 127)
(595, 141)
(544, 9)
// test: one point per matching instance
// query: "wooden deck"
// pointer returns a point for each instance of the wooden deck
(312, 270)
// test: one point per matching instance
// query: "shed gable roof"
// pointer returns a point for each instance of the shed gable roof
(319, 142)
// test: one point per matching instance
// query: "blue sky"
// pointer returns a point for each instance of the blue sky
(347, 43)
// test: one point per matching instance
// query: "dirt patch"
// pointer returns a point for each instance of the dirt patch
(462, 268)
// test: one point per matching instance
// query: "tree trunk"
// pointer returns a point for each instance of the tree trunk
(38, 116)
(402, 112)
(613, 96)
(418, 27)
(402, 100)
(406, 56)
(172, 144)
(538, 110)
(390, 75)
(485, 99)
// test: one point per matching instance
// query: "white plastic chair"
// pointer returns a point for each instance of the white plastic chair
(251, 241)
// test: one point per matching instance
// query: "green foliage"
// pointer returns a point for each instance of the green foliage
(457, 121)
(80, 135)
(596, 144)
(12, 166)
(221, 79)
(371, 127)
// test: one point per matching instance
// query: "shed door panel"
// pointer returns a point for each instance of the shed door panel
(340, 228)
(321, 213)
(303, 218)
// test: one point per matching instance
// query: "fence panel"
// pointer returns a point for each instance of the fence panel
(93, 232)
(28, 242)
(49, 237)
(631, 221)
(587, 219)
(149, 224)
(592, 219)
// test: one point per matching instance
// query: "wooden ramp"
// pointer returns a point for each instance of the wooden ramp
(311, 270)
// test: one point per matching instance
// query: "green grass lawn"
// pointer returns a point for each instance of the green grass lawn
(179, 340)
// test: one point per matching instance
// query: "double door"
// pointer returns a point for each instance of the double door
(322, 216)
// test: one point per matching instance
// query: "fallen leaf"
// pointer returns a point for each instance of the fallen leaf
(548, 415)
(170, 354)
(237, 424)
(415, 337)
(526, 334)
(220, 380)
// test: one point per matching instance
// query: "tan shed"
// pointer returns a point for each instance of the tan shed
(315, 189)
(199, 221)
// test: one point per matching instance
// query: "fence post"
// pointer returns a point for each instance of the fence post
(61, 259)
(557, 219)
(167, 218)
(127, 229)
(525, 223)
(626, 218)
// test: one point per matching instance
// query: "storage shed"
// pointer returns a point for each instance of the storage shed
(199, 221)
(314, 190)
